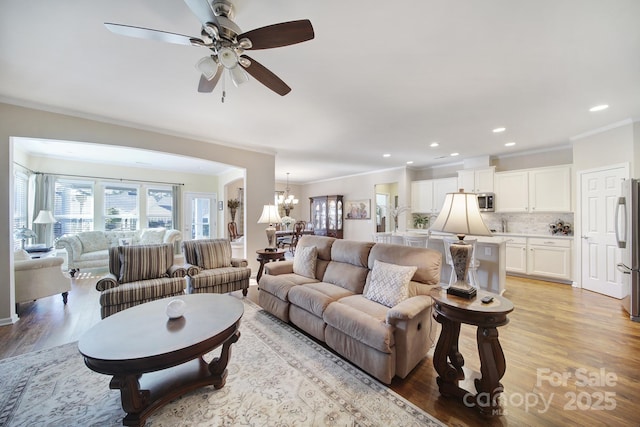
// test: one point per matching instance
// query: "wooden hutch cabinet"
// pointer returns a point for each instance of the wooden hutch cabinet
(326, 215)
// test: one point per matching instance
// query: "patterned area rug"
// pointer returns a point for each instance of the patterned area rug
(277, 377)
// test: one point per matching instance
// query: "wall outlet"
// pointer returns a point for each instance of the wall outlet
(487, 251)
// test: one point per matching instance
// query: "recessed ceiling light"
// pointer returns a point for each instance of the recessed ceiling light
(599, 108)
(509, 144)
(386, 155)
(434, 144)
(454, 154)
(410, 162)
(498, 130)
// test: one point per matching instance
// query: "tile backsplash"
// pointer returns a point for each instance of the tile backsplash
(526, 223)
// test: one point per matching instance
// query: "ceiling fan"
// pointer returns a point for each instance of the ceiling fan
(228, 44)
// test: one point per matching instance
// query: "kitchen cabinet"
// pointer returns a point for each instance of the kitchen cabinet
(477, 180)
(516, 255)
(534, 190)
(427, 196)
(549, 258)
(540, 257)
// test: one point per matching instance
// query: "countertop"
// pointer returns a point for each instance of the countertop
(497, 237)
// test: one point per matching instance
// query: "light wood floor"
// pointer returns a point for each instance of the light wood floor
(554, 331)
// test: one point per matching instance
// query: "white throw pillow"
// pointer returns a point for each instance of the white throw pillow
(389, 283)
(304, 261)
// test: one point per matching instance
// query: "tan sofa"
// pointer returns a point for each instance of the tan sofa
(90, 249)
(336, 306)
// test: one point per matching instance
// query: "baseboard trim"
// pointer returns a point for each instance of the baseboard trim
(9, 320)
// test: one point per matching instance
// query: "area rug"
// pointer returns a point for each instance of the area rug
(277, 377)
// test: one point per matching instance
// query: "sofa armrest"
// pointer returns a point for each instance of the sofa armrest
(239, 262)
(409, 308)
(279, 267)
(177, 271)
(107, 282)
(32, 264)
(71, 243)
(192, 270)
(172, 236)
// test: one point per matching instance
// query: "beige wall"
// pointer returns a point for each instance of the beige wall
(26, 122)
(605, 148)
(363, 187)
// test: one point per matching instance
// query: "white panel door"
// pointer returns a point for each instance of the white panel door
(599, 194)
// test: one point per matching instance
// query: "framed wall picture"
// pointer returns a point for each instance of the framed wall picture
(358, 209)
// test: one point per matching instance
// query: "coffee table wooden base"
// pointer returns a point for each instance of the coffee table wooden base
(141, 395)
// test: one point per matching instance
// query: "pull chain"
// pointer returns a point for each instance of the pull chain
(224, 86)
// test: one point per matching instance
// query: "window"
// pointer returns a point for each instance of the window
(73, 207)
(159, 208)
(120, 207)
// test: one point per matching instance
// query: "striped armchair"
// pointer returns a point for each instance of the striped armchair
(211, 269)
(139, 274)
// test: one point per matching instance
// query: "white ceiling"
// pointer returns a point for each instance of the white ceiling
(379, 77)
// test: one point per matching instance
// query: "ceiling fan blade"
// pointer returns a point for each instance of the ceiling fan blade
(206, 86)
(266, 77)
(146, 33)
(202, 10)
(278, 35)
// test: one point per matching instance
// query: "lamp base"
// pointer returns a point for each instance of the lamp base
(464, 292)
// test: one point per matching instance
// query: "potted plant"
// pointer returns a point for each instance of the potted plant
(233, 205)
(420, 221)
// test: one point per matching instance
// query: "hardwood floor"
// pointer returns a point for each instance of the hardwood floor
(555, 332)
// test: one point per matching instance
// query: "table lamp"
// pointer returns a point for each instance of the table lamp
(460, 215)
(23, 234)
(45, 217)
(270, 216)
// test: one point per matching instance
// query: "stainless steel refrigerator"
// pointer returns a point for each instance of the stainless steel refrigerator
(628, 237)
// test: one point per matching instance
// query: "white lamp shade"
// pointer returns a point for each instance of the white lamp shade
(269, 215)
(460, 214)
(45, 217)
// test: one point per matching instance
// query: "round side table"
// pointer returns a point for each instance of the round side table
(265, 257)
(451, 311)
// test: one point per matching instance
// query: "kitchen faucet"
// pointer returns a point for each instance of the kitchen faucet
(504, 225)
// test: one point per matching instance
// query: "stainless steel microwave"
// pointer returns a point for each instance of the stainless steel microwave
(486, 202)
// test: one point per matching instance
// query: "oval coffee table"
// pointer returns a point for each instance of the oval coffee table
(153, 359)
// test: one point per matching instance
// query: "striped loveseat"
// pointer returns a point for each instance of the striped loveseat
(139, 274)
(211, 269)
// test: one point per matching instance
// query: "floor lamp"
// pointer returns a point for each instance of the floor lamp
(460, 215)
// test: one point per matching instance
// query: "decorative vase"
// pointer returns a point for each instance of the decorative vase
(233, 215)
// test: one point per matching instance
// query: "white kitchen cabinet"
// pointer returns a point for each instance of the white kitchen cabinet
(511, 191)
(516, 255)
(427, 196)
(549, 258)
(534, 190)
(540, 257)
(477, 180)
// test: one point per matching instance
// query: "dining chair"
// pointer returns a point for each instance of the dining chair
(417, 241)
(382, 237)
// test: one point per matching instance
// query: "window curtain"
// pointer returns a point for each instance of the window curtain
(44, 196)
(176, 213)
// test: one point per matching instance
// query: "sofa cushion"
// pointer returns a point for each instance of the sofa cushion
(142, 262)
(304, 261)
(213, 254)
(93, 241)
(428, 261)
(152, 236)
(363, 320)
(315, 297)
(389, 283)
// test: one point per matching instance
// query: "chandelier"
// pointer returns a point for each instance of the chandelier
(287, 200)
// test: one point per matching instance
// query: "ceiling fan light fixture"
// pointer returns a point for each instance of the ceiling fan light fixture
(238, 76)
(228, 57)
(208, 67)
(245, 43)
